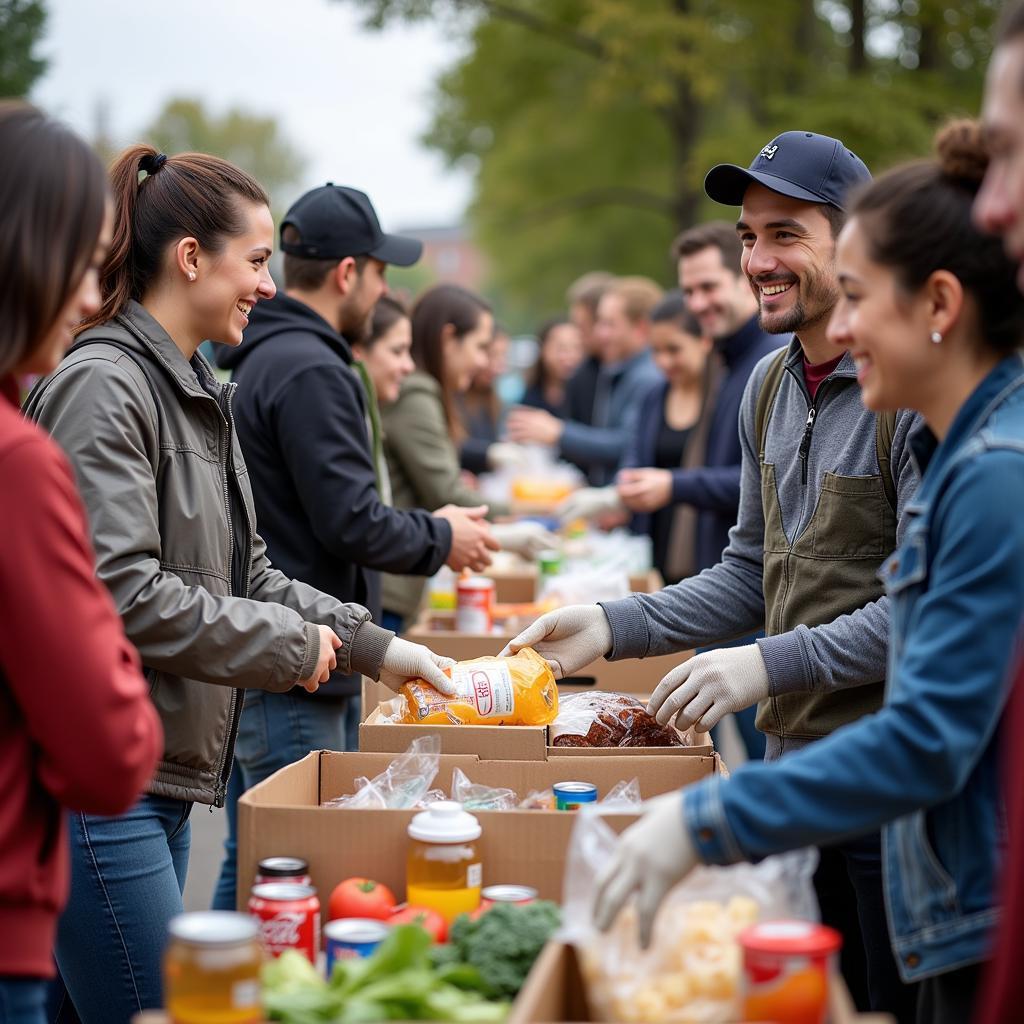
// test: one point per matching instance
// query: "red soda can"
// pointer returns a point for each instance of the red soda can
(289, 918)
(283, 869)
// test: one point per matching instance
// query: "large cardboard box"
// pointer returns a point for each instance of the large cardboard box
(490, 742)
(554, 993)
(521, 586)
(283, 816)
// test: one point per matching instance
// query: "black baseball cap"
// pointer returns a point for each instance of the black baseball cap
(801, 165)
(334, 222)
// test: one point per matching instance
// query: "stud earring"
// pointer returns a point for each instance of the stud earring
(192, 277)
(936, 338)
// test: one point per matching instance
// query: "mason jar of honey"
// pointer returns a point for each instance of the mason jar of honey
(212, 969)
(443, 868)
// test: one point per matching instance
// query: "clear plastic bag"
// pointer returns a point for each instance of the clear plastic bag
(691, 972)
(476, 797)
(623, 794)
(602, 719)
(403, 784)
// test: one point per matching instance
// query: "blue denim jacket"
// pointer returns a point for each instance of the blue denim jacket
(926, 767)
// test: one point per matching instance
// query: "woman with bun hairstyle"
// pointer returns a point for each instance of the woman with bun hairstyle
(930, 311)
(150, 433)
(77, 729)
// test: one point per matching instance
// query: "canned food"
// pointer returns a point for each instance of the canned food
(786, 968)
(474, 607)
(550, 563)
(346, 938)
(515, 894)
(288, 917)
(212, 968)
(283, 869)
(570, 795)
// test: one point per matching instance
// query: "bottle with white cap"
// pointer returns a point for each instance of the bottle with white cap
(443, 869)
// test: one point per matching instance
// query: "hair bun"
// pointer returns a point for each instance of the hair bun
(961, 151)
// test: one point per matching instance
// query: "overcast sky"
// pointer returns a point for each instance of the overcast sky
(354, 102)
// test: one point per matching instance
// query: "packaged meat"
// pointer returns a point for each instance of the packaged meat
(602, 719)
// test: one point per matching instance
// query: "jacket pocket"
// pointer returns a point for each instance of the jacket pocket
(853, 519)
(929, 891)
(908, 566)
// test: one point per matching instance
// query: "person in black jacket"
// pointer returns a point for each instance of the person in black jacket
(301, 416)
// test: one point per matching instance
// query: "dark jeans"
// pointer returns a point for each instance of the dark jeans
(127, 877)
(849, 887)
(275, 730)
(949, 998)
(393, 621)
(22, 1000)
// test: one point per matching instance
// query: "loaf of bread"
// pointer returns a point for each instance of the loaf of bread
(601, 719)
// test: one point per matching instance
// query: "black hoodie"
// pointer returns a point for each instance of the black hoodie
(300, 413)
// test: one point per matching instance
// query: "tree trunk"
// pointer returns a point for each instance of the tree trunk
(858, 31)
(684, 118)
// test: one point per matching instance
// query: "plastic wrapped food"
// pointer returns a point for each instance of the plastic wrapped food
(600, 719)
(519, 690)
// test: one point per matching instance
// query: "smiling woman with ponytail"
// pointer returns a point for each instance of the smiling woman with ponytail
(150, 432)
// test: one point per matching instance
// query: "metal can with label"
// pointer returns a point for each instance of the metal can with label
(570, 795)
(549, 563)
(518, 895)
(474, 607)
(289, 918)
(283, 869)
(347, 938)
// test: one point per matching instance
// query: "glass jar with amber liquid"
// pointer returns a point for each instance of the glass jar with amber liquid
(443, 867)
(212, 969)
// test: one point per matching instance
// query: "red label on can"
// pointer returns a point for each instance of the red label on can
(289, 918)
(474, 605)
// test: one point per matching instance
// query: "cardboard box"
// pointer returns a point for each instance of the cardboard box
(489, 742)
(554, 993)
(282, 816)
(521, 586)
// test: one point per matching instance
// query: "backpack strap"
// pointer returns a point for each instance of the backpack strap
(885, 427)
(766, 398)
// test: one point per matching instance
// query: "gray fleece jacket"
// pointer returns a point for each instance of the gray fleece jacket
(822, 515)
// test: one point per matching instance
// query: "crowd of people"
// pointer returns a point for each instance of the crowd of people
(821, 430)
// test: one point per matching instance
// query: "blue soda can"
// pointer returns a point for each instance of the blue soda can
(349, 937)
(569, 795)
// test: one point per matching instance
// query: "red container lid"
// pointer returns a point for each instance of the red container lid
(791, 938)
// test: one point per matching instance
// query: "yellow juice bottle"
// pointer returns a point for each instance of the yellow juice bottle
(443, 867)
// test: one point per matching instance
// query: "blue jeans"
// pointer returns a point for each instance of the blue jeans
(127, 877)
(275, 730)
(22, 1000)
(393, 621)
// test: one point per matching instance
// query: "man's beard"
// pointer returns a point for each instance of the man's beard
(355, 325)
(818, 297)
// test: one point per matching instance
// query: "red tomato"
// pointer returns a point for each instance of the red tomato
(361, 897)
(426, 918)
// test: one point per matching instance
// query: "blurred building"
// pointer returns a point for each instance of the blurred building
(449, 254)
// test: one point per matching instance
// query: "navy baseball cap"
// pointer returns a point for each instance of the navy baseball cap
(334, 222)
(801, 165)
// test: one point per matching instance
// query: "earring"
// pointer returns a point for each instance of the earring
(936, 338)
(192, 277)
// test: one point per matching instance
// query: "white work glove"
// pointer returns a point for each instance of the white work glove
(588, 503)
(650, 857)
(526, 539)
(505, 455)
(568, 639)
(404, 660)
(709, 686)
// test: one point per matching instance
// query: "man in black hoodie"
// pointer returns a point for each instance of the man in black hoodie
(301, 416)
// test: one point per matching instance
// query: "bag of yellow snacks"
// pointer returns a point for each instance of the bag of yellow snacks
(519, 690)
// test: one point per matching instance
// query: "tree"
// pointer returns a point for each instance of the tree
(21, 28)
(590, 123)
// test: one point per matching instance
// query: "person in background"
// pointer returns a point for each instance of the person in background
(77, 729)
(152, 438)
(451, 331)
(627, 372)
(582, 298)
(559, 354)
(932, 316)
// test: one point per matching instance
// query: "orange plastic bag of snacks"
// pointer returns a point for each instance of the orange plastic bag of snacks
(519, 690)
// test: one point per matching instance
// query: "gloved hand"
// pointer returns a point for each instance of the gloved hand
(526, 538)
(505, 455)
(650, 857)
(709, 686)
(588, 502)
(568, 639)
(404, 660)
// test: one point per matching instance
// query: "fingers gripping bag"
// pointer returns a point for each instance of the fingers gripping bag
(691, 974)
(519, 690)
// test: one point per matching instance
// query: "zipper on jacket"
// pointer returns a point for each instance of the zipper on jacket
(805, 442)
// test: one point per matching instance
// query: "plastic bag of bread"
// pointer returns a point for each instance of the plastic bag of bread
(519, 690)
(603, 719)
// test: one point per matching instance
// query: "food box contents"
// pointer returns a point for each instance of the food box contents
(444, 870)
(570, 796)
(519, 690)
(602, 719)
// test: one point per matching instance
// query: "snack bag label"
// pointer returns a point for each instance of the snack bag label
(488, 688)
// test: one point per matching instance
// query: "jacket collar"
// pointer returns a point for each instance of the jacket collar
(736, 346)
(795, 361)
(618, 369)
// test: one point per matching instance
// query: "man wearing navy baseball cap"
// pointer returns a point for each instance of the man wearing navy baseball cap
(823, 482)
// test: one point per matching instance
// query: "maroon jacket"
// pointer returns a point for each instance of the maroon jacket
(77, 729)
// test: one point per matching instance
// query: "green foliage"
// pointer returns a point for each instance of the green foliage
(590, 124)
(21, 27)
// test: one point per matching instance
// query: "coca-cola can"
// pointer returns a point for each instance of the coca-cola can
(289, 918)
(283, 869)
